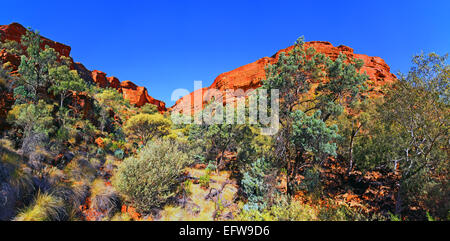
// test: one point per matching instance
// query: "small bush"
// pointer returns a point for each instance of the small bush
(119, 153)
(149, 109)
(312, 182)
(254, 185)
(211, 166)
(283, 210)
(187, 185)
(80, 169)
(204, 180)
(12, 47)
(145, 127)
(149, 179)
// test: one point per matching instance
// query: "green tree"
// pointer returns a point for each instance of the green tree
(144, 127)
(4, 78)
(411, 130)
(65, 81)
(219, 138)
(109, 100)
(35, 66)
(311, 134)
(352, 125)
(310, 82)
(149, 109)
(34, 120)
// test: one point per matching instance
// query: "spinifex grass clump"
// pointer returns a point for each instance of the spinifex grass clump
(46, 207)
(104, 198)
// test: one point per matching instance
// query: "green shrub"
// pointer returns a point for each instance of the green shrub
(254, 186)
(211, 166)
(149, 109)
(119, 153)
(187, 185)
(12, 47)
(285, 209)
(149, 178)
(312, 183)
(204, 180)
(145, 127)
(282, 210)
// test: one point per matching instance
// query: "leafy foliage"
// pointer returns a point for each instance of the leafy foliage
(35, 66)
(216, 139)
(149, 109)
(32, 119)
(145, 127)
(65, 82)
(412, 140)
(254, 185)
(311, 134)
(11, 47)
(296, 75)
(149, 178)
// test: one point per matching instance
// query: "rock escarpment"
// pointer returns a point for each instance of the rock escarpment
(249, 76)
(136, 95)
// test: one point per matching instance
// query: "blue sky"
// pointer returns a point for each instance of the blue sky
(167, 45)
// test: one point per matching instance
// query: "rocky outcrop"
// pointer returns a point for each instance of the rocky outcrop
(6, 101)
(99, 78)
(249, 76)
(139, 96)
(83, 72)
(15, 31)
(136, 95)
(113, 82)
(13, 59)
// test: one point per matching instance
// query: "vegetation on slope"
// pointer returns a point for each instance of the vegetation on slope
(74, 151)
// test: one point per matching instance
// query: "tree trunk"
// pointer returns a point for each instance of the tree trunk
(398, 201)
(220, 161)
(292, 169)
(350, 158)
(352, 138)
(62, 102)
(288, 178)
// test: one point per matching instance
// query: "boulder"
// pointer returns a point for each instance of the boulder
(99, 78)
(113, 82)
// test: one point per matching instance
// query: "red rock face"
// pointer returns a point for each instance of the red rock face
(249, 76)
(136, 95)
(99, 78)
(113, 82)
(139, 96)
(82, 101)
(14, 31)
(6, 101)
(6, 57)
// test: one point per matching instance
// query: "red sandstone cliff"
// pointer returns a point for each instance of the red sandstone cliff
(136, 95)
(249, 76)
(14, 32)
